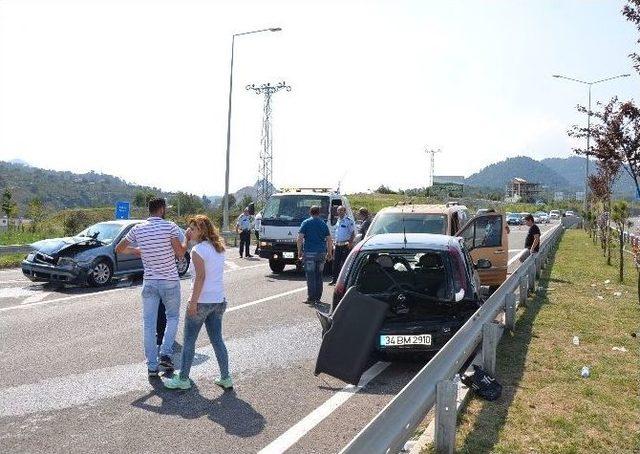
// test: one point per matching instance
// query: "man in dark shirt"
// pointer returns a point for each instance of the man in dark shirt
(315, 247)
(533, 237)
(366, 221)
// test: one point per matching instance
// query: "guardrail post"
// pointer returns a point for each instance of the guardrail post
(490, 337)
(537, 265)
(510, 311)
(445, 416)
(531, 275)
(522, 290)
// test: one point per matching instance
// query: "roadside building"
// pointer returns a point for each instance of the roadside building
(522, 190)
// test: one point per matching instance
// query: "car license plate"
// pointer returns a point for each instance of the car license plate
(395, 340)
(288, 255)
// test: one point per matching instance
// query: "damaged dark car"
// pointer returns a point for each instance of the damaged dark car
(398, 294)
(88, 258)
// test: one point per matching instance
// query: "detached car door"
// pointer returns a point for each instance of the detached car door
(485, 237)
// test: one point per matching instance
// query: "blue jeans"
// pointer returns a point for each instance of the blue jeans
(153, 291)
(313, 266)
(211, 316)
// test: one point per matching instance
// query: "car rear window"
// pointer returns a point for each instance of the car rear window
(424, 272)
(408, 222)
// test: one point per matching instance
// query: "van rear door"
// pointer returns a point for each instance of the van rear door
(486, 237)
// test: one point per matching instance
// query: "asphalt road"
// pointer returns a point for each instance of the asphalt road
(75, 378)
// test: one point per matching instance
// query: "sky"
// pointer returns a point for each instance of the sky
(139, 89)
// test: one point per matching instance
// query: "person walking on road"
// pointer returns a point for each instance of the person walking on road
(532, 242)
(243, 227)
(257, 223)
(207, 303)
(366, 221)
(344, 236)
(314, 249)
(158, 243)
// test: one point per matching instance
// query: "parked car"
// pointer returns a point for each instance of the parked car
(88, 257)
(570, 213)
(485, 232)
(543, 218)
(554, 214)
(523, 215)
(514, 219)
(398, 294)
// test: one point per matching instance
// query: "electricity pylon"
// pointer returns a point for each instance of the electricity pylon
(265, 169)
(433, 163)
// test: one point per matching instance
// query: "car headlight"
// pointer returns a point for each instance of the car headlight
(67, 261)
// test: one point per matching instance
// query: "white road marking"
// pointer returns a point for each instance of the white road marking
(58, 393)
(231, 265)
(84, 295)
(35, 298)
(264, 300)
(300, 429)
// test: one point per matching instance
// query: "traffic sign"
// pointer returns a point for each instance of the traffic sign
(122, 210)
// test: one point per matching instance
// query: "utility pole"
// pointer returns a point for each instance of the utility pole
(433, 163)
(265, 169)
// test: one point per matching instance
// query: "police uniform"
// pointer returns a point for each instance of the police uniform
(345, 231)
(243, 224)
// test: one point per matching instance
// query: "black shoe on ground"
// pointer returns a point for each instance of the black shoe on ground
(165, 361)
(152, 373)
(249, 256)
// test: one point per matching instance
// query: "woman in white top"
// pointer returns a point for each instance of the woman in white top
(207, 303)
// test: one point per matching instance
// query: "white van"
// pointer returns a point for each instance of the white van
(282, 216)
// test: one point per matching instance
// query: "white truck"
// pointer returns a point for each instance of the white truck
(282, 216)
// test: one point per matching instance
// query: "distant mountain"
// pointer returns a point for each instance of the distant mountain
(499, 174)
(60, 190)
(246, 191)
(556, 174)
(21, 162)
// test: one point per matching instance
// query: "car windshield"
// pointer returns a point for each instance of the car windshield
(409, 223)
(294, 207)
(104, 232)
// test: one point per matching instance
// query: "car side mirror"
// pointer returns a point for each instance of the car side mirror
(483, 264)
(459, 295)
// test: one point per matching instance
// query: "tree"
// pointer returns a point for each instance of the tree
(9, 207)
(36, 212)
(185, 204)
(620, 215)
(142, 197)
(631, 12)
(382, 189)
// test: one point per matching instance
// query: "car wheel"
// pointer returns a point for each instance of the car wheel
(101, 273)
(183, 264)
(277, 266)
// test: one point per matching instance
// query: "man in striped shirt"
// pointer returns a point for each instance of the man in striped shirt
(158, 243)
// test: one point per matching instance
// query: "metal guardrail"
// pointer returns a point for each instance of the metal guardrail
(15, 249)
(433, 385)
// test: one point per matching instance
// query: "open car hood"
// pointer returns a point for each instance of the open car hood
(57, 245)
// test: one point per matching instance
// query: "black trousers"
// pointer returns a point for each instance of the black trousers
(245, 241)
(161, 324)
(257, 241)
(338, 260)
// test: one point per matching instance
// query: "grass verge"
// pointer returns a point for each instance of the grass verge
(546, 406)
(11, 260)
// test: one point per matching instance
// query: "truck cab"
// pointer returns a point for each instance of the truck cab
(282, 216)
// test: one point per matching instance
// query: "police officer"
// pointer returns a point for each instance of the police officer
(345, 234)
(243, 227)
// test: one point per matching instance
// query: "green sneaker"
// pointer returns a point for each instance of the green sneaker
(224, 383)
(176, 382)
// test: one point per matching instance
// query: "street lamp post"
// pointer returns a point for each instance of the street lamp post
(225, 201)
(589, 84)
